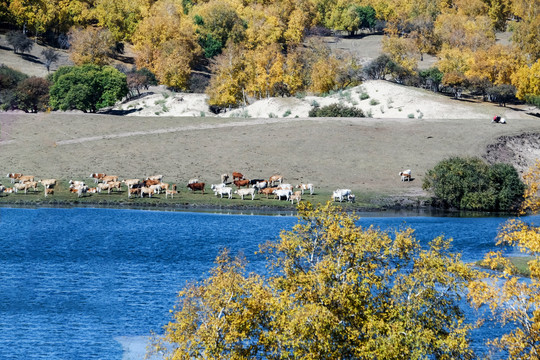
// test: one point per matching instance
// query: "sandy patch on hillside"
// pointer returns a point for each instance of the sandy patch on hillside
(385, 100)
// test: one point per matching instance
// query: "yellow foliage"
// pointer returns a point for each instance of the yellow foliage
(512, 300)
(401, 50)
(265, 70)
(527, 81)
(166, 44)
(497, 64)
(454, 60)
(91, 46)
(334, 290)
(323, 75)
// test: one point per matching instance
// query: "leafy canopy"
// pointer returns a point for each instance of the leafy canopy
(87, 87)
(334, 290)
(471, 184)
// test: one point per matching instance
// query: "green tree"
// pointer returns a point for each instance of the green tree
(32, 94)
(9, 80)
(87, 87)
(471, 184)
(502, 94)
(334, 290)
(512, 300)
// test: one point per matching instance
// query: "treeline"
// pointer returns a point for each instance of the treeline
(259, 48)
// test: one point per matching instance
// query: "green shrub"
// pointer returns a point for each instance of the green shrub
(336, 110)
(374, 102)
(364, 96)
(471, 184)
(287, 113)
(410, 116)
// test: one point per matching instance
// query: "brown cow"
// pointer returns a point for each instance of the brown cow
(97, 176)
(150, 182)
(14, 176)
(196, 186)
(267, 191)
(237, 176)
(240, 183)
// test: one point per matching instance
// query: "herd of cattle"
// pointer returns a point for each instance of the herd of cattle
(153, 185)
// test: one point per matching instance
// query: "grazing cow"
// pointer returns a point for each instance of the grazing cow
(25, 186)
(97, 176)
(48, 183)
(150, 182)
(285, 187)
(25, 178)
(405, 175)
(2, 189)
(275, 179)
(240, 183)
(246, 192)
(14, 176)
(48, 191)
(304, 187)
(224, 178)
(8, 190)
(134, 191)
(75, 184)
(214, 187)
(341, 194)
(93, 190)
(170, 192)
(224, 190)
(109, 178)
(146, 191)
(296, 196)
(104, 186)
(260, 185)
(237, 176)
(255, 181)
(131, 182)
(196, 186)
(156, 188)
(82, 190)
(279, 193)
(155, 177)
(267, 191)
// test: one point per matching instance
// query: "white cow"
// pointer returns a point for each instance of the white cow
(304, 187)
(246, 192)
(279, 193)
(341, 194)
(224, 190)
(405, 175)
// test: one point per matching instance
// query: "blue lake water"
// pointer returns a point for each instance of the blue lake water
(74, 281)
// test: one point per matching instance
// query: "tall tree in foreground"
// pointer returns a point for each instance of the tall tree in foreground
(334, 290)
(511, 299)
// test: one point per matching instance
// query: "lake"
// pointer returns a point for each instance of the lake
(86, 283)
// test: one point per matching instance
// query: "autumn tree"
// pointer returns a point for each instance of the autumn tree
(526, 32)
(334, 290)
(91, 46)
(87, 87)
(511, 299)
(140, 79)
(120, 17)
(32, 94)
(228, 83)
(526, 81)
(166, 44)
(497, 64)
(401, 51)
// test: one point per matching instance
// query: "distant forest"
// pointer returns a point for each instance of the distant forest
(239, 49)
